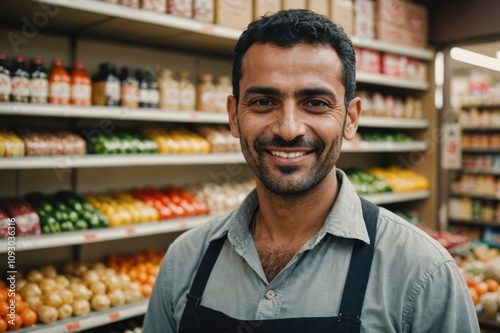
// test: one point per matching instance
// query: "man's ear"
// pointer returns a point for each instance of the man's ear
(233, 116)
(352, 119)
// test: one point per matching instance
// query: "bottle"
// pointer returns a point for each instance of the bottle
(153, 90)
(106, 86)
(187, 92)
(20, 80)
(222, 90)
(140, 74)
(59, 82)
(205, 93)
(81, 85)
(129, 88)
(39, 81)
(5, 83)
(169, 90)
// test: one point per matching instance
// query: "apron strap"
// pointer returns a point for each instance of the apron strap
(203, 272)
(359, 268)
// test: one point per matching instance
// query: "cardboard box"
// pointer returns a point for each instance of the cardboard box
(233, 13)
(182, 8)
(261, 7)
(342, 13)
(416, 39)
(364, 18)
(391, 33)
(203, 10)
(364, 29)
(416, 18)
(319, 6)
(293, 4)
(391, 12)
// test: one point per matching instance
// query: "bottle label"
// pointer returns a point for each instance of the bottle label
(20, 86)
(60, 90)
(187, 98)
(153, 96)
(221, 100)
(39, 88)
(207, 100)
(143, 96)
(81, 92)
(130, 95)
(99, 93)
(113, 91)
(5, 84)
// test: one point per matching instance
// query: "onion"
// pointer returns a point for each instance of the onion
(53, 299)
(66, 295)
(47, 314)
(62, 281)
(31, 289)
(116, 297)
(100, 302)
(80, 291)
(90, 277)
(48, 271)
(47, 285)
(98, 287)
(65, 311)
(81, 307)
(34, 276)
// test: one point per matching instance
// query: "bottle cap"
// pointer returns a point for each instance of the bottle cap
(57, 62)
(18, 59)
(36, 60)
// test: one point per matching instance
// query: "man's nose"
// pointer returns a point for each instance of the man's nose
(289, 122)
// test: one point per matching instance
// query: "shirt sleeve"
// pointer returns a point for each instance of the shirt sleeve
(160, 313)
(442, 304)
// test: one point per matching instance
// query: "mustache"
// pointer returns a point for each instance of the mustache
(278, 142)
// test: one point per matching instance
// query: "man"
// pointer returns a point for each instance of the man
(303, 253)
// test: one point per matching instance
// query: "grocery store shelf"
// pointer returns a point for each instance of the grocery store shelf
(109, 112)
(91, 320)
(481, 150)
(385, 80)
(482, 171)
(387, 122)
(413, 52)
(476, 196)
(481, 106)
(473, 223)
(384, 147)
(395, 197)
(35, 242)
(98, 161)
(90, 18)
(480, 129)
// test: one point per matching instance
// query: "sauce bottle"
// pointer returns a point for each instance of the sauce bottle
(187, 92)
(5, 83)
(129, 88)
(205, 93)
(59, 81)
(106, 86)
(153, 90)
(140, 74)
(81, 85)
(39, 81)
(19, 80)
(169, 90)
(222, 90)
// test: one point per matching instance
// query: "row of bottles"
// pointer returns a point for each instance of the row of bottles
(128, 88)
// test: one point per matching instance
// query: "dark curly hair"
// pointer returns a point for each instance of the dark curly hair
(288, 28)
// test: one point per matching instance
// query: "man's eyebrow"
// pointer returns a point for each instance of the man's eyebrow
(315, 91)
(262, 90)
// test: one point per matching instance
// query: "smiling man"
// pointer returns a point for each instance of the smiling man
(303, 253)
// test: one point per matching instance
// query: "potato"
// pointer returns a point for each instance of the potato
(21, 283)
(100, 302)
(31, 289)
(98, 287)
(80, 291)
(34, 276)
(48, 271)
(66, 295)
(90, 277)
(132, 295)
(53, 299)
(47, 314)
(62, 281)
(34, 301)
(65, 311)
(116, 297)
(113, 282)
(47, 285)
(81, 307)
(99, 267)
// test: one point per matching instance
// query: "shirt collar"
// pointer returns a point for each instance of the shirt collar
(344, 220)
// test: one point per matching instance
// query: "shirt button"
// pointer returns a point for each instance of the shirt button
(270, 294)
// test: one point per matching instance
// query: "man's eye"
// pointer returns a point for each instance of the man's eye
(316, 103)
(262, 102)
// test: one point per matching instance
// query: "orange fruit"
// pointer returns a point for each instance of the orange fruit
(481, 288)
(4, 308)
(3, 325)
(18, 322)
(29, 317)
(146, 290)
(474, 295)
(492, 284)
(20, 306)
(142, 277)
(3, 294)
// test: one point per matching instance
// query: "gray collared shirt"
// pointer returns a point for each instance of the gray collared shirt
(414, 284)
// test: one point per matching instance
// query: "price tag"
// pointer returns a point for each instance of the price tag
(209, 29)
(129, 231)
(73, 326)
(451, 158)
(114, 316)
(90, 237)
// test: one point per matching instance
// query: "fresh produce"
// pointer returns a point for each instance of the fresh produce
(19, 210)
(11, 145)
(121, 142)
(365, 183)
(21, 316)
(4, 224)
(174, 141)
(45, 142)
(400, 179)
(122, 208)
(385, 137)
(66, 211)
(220, 138)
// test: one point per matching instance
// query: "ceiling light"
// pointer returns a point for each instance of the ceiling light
(474, 58)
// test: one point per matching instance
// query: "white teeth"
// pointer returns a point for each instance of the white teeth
(287, 155)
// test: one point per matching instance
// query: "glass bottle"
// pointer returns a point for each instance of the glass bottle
(20, 80)
(153, 90)
(222, 90)
(39, 81)
(169, 90)
(59, 82)
(205, 93)
(129, 88)
(140, 74)
(187, 92)
(81, 85)
(106, 86)
(5, 83)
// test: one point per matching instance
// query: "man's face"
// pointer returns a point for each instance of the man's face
(291, 115)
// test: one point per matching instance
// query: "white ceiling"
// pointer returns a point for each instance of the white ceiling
(488, 49)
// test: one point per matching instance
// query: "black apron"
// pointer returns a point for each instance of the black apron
(200, 319)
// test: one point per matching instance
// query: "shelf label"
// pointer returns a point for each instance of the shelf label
(129, 231)
(114, 316)
(209, 29)
(90, 237)
(193, 116)
(183, 225)
(451, 158)
(73, 326)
